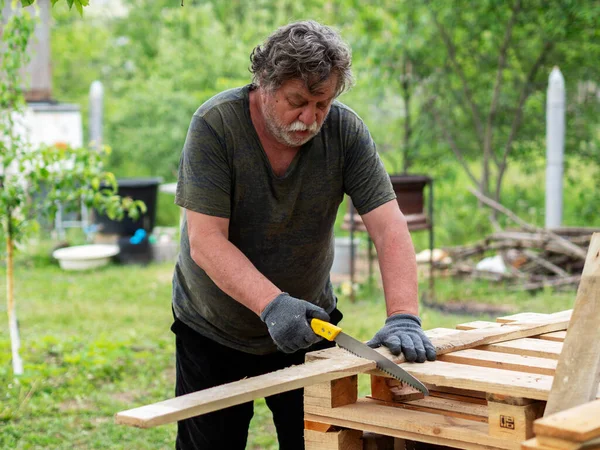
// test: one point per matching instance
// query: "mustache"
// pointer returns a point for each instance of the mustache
(299, 126)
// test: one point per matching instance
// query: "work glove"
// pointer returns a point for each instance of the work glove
(288, 321)
(402, 333)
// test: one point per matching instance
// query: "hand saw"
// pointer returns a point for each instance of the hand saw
(334, 333)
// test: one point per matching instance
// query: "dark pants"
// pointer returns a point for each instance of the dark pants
(202, 363)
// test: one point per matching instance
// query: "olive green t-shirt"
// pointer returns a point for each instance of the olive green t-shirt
(283, 224)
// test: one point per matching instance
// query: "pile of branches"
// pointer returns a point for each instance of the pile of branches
(532, 257)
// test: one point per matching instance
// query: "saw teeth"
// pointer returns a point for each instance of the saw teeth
(386, 371)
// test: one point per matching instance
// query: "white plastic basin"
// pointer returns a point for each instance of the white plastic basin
(85, 257)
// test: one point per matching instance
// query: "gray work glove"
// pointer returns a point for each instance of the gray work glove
(287, 319)
(402, 333)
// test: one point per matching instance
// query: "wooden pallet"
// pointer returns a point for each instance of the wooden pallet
(482, 398)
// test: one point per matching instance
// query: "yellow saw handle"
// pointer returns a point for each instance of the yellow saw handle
(325, 329)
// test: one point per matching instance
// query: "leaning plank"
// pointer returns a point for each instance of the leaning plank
(578, 369)
(337, 364)
(242, 391)
(580, 424)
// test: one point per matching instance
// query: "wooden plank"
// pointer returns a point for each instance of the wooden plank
(578, 370)
(580, 424)
(366, 413)
(533, 444)
(527, 347)
(463, 395)
(338, 364)
(558, 336)
(242, 391)
(447, 407)
(498, 381)
(506, 361)
(545, 443)
(567, 445)
(477, 325)
(401, 435)
(523, 317)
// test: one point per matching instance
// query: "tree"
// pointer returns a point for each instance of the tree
(34, 181)
(488, 89)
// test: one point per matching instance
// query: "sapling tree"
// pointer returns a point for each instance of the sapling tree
(35, 181)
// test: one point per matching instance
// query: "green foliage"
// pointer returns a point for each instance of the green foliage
(79, 4)
(161, 61)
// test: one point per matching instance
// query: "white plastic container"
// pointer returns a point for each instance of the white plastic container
(341, 258)
(85, 257)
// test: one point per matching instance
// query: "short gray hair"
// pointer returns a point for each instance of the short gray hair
(302, 50)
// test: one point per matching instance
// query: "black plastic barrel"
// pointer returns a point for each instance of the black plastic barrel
(145, 189)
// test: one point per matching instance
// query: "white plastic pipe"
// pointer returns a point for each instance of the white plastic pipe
(555, 145)
(96, 113)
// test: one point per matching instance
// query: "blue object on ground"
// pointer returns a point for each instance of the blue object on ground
(138, 236)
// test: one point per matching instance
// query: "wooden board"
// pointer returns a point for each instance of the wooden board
(528, 347)
(498, 381)
(578, 369)
(242, 391)
(581, 423)
(448, 407)
(506, 361)
(558, 336)
(369, 415)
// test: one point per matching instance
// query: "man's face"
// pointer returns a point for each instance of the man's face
(293, 115)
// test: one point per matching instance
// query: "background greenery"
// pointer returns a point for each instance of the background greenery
(452, 89)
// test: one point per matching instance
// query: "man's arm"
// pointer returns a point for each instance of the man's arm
(388, 229)
(287, 318)
(225, 264)
(402, 332)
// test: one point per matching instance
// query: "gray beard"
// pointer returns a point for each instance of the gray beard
(279, 131)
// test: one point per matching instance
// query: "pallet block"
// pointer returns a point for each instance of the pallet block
(487, 397)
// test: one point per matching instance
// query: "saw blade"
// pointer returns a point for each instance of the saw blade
(357, 348)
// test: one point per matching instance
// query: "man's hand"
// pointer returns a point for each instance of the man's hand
(287, 319)
(402, 333)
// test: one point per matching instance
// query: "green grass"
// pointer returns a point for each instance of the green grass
(95, 343)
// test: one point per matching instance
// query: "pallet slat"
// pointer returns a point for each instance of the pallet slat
(527, 347)
(506, 361)
(365, 414)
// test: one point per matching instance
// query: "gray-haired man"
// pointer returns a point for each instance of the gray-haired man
(262, 174)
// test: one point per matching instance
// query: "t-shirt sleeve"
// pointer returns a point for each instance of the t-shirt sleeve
(204, 180)
(365, 179)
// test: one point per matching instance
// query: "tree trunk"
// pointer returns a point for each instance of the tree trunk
(13, 326)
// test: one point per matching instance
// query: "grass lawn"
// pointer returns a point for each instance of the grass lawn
(96, 343)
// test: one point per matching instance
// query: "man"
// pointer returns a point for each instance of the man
(263, 171)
